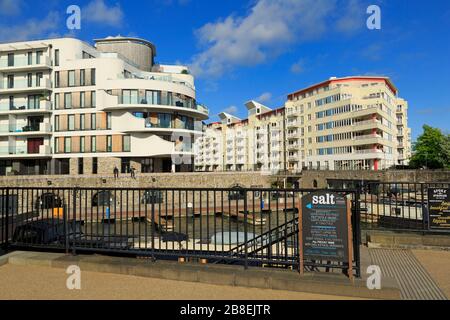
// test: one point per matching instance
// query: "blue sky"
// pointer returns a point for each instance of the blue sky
(265, 49)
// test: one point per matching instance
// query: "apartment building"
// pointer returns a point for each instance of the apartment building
(345, 124)
(252, 144)
(351, 123)
(404, 140)
(69, 107)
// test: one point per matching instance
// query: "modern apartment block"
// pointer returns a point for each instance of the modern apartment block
(69, 107)
(352, 123)
(253, 144)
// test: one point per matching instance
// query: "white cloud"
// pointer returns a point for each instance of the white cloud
(266, 31)
(231, 110)
(298, 67)
(31, 29)
(353, 18)
(265, 97)
(10, 7)
(97, 11)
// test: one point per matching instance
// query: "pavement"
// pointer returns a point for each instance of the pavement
(44, 283)
(437, 264)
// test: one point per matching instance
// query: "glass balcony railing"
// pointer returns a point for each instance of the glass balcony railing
(42, 105)
(143, 100)
(23, 84)
(13, 150)
(24, 62)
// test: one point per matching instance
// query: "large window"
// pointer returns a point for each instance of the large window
(108, 143)
(10, 81)
(165, 120)
(10, 59)
(153, 97)
(82, 77)
(30, 58)
(126, 143)
(57, 101)
(108, 121)
(56, 123)
(82, 144)
(92, 77)
(93, 144)
(67, 145)
(82, 122)
(56, 79)
(57, 57)
(93, 121)
(130, 96)
(82, 99)
(71, 122)
(39, 55)
(29, 80)
(93, 99)
(71, 80)
(68, 100)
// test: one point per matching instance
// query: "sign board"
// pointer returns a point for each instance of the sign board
(439, 208)
(326, 227)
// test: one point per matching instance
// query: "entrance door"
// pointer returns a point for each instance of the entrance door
(34, 144)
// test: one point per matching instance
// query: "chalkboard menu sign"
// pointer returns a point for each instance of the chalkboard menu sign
(325, 227)
(439, 208)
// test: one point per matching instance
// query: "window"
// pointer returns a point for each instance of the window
(57, 79)
(130, 96)
(57, 57)
(93, 144)
(108, 143)
(126, 143)
(80, 166)
(57, 145)
(108, 121)
(82, 99)
(82, 145)
(93, 99)
(153, 97)
(57, 101)
(39, 77)
(92, 77)
(67, 145)
(10, 59)
(10, 81)
(39, 55)
(56, 123)
(94, 165)
(30, 58)
(71, 122)
(82, 77)
(82, 122)
(93, 121)
(71, 80)
(11, 103)
(29, 80)
(68, 100)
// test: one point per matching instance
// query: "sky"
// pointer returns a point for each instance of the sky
(241, 50)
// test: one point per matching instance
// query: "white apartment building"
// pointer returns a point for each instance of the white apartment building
(351, 123)
(252, 144)
(69, 107)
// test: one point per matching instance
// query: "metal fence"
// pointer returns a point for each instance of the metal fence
(250, 227)
(398, 206)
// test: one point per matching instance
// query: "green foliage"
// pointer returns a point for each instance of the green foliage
(432, 150)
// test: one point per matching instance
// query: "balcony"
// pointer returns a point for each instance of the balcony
(291, 124)
(43, 107)
(21, 64)
(22, 151)
(368, 136)
(22, 85)
(292, 135)
(293, 146)
(44, 128)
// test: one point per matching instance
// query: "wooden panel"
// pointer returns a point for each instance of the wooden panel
(88, 77)
(101, 143)
(77, 122)
(63, 122)
(77, 78)
(61, 144)
(117, 143)
(75, 100)
(87, 121)
(87, 144)
(101, 121)
(87, 97)
(76, 144)
(63, 79)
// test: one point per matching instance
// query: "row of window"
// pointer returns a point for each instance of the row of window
(76, 78)
(156, 97)
(76, 100)
(79, 144)
(38, 77)
(327, 100)
(77, 122)
(37, 58)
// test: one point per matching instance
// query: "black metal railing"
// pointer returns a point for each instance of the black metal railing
(398, 206)
(250, 227)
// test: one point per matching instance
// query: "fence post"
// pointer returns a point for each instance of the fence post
(66, 230)
(357, 235)
(6, 220)
(74, 222)
(245, 230)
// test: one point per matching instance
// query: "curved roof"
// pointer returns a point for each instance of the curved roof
(129, 39)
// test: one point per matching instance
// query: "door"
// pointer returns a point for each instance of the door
(34, 144)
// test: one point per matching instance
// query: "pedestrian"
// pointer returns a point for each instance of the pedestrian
(116, 173)
(133, 173)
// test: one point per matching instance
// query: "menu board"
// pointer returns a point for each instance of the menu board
(439, 208)
(325, 224)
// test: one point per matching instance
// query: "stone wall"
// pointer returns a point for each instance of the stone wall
(413, 176)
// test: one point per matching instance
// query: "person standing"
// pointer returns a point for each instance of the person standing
(133, 173)
(116, 172)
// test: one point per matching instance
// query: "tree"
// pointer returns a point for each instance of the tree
(432, 149)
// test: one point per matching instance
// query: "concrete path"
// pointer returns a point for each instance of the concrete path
(437, 263)
(38, 283)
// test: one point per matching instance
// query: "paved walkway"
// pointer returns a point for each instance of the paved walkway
(39, 283)
(417, 274)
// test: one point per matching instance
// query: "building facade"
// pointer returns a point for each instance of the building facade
(252, 144)
(352, 123)
(69, 107)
